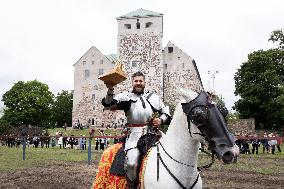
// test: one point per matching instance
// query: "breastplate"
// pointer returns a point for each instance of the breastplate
(137, 112)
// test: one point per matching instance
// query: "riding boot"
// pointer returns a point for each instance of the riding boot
(131, 184)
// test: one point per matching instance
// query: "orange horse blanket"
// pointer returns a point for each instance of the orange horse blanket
(105, 180)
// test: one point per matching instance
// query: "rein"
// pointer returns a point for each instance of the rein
(209, 164)
(159, 158)
(169, 171)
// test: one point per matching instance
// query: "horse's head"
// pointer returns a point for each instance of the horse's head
(203, 114)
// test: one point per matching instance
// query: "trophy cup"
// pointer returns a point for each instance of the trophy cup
(115, 75)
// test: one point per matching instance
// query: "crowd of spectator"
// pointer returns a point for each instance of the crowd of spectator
(251, 144)
(63, 141)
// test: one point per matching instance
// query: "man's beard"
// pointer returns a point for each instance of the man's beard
(138, 92)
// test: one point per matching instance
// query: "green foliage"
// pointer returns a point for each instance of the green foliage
(28, 103)
(277, 36)
(220, 100)
(233, 116)
(62, 108)
(259, 83)
(4, 126)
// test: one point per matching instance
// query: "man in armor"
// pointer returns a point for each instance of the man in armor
(139, 108)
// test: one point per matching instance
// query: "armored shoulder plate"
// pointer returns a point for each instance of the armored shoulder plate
(121, 97)
(157, 103)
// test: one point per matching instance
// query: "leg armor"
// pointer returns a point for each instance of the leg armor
(132, 159)
(132, 166)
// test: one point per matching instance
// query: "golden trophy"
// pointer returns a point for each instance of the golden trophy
(115, 75)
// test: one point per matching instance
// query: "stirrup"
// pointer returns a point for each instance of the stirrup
(131, 184)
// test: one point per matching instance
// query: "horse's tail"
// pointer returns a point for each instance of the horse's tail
(104, 180)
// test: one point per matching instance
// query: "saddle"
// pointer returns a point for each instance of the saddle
(145, 143)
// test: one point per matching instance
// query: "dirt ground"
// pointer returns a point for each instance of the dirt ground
(81, 175)
(240, 179)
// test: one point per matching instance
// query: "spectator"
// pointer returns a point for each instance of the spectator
(92, 132)
(255, 144)
(42, 141)
(72, 141)
(47, 141)
(65, 141)
(60, 141)
(18, 142)
(35, 141)
(272, 143)
(264, 142)
(102, 144)
(279, 142)
(97, 142)
(65, 126)
(80, 142)
(245, 145)
(84, 143)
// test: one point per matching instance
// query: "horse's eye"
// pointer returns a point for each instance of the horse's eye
(199, 115)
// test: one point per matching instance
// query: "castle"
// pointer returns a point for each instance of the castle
(139, 47)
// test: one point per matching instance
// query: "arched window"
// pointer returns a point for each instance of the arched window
(137, 24)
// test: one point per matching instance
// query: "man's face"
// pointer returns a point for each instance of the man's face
(138, 84)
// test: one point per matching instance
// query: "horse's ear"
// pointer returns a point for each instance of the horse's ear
(187, 95)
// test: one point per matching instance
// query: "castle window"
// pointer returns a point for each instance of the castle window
(94, 107)
(134, 64)
(170, 49)
(127, 26)
(102, 61)
(87, 73)
(93, 121)
(166, 66)
(134, 48)
(101, 71)
(93, 97)
(148, 24)
(84, 62)
(93, 62)
(137, 24)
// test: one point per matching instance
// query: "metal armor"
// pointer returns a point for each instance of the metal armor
(140, 112)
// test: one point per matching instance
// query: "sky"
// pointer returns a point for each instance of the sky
(43, 39)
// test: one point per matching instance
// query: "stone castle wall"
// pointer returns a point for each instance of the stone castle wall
(242, 126)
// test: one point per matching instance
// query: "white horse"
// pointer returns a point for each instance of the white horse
(172, 163)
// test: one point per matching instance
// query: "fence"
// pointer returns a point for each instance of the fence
(25, 139)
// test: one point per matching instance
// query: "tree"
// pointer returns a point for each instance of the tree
(62, 108)
(4, 126)
(28, 103)
(277, 36)
(259, 82)
(220, 102)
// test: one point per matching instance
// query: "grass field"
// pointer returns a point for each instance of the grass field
(68, 168)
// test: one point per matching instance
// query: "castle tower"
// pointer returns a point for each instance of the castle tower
(139, 47)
